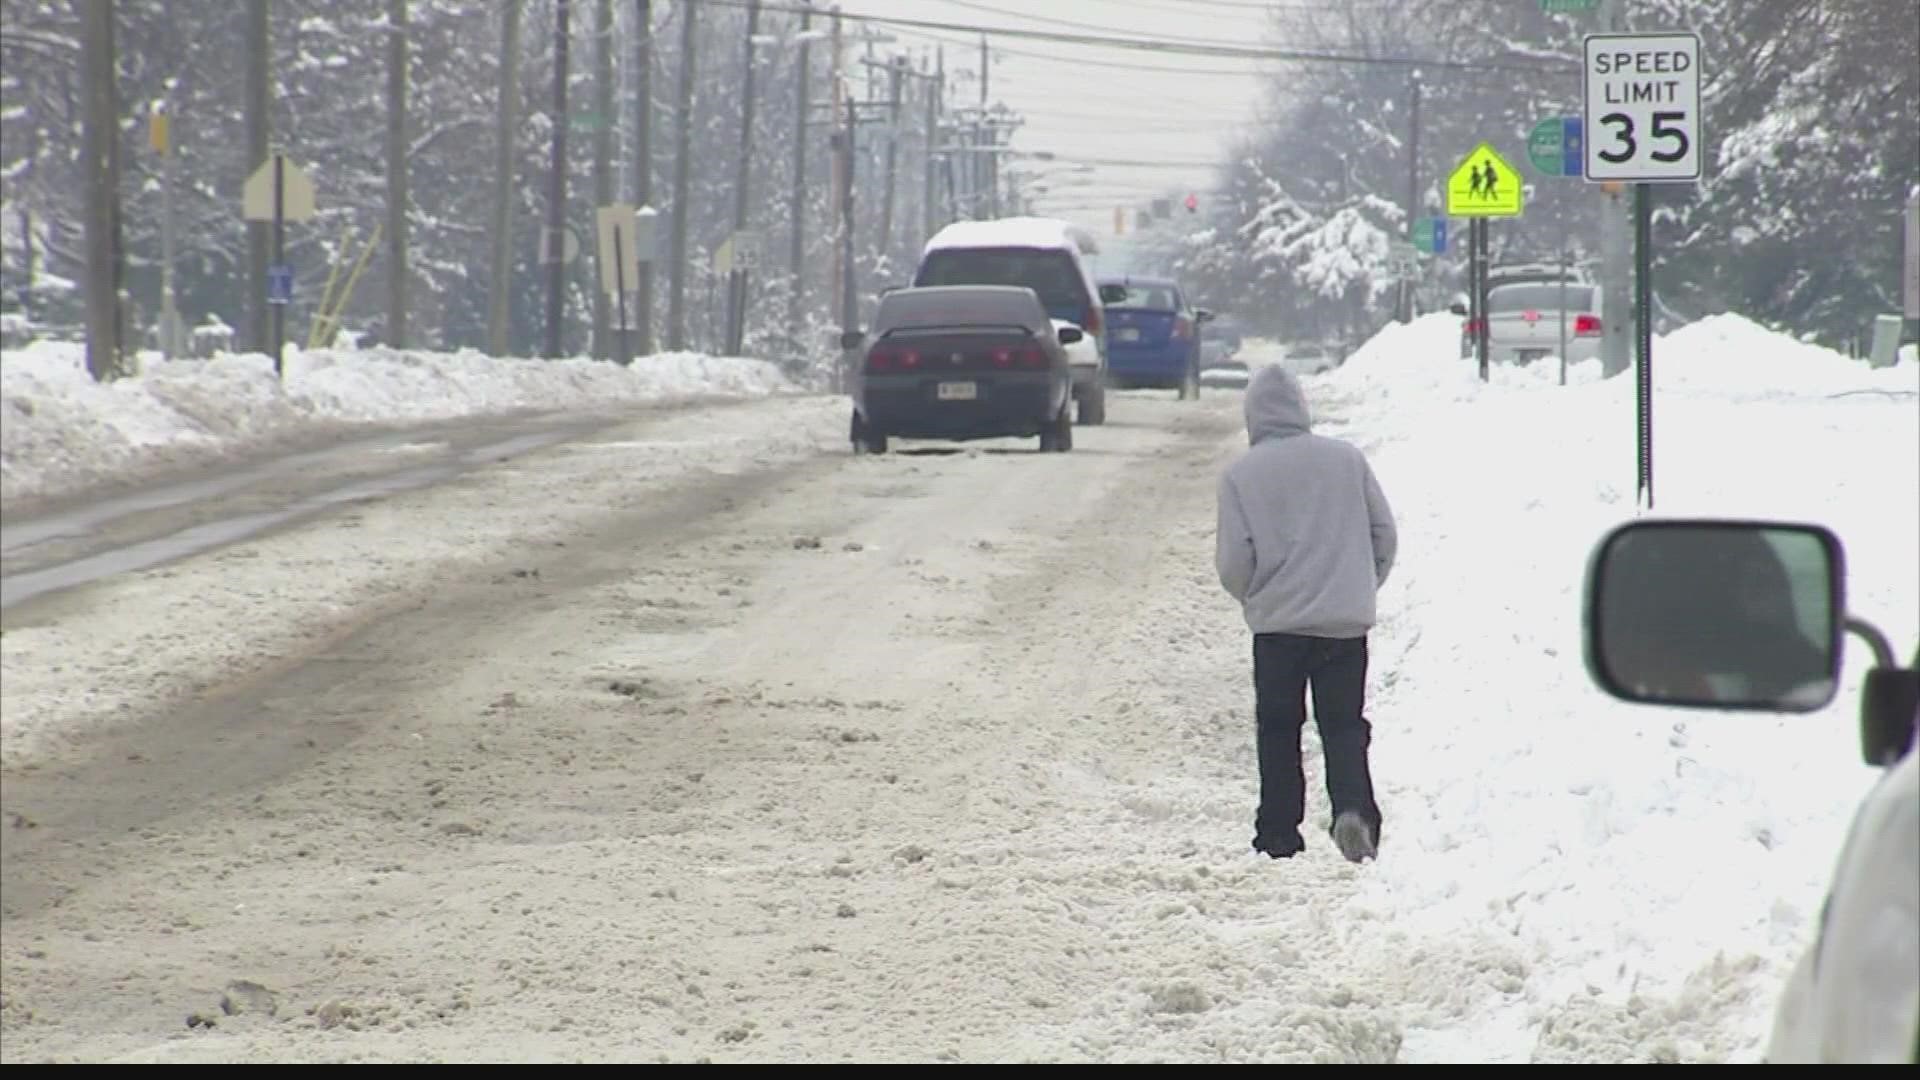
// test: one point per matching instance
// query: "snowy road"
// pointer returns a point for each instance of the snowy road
(716, 745)
(697, 737)
(53, 550)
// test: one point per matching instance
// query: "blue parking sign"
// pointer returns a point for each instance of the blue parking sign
(1439, 236)
(279, 284)
(1572, 150)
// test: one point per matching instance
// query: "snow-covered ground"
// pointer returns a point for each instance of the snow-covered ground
(951, 756)
(60, 431)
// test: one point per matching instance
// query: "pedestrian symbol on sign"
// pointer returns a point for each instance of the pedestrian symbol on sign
(1483, 185)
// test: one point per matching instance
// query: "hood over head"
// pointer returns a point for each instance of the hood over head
(1276, 406)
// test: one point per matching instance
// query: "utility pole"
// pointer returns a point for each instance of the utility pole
(986, 166)
(1616, 258)
(557, 190)
(259, 133)
(842, 181)
(849, 298)
(682, 179)
(397, 174)
(500, 281)
(886, 246)
(98, 133)
(797, 208)
(602, 161)
(1413, 183)
(162, 139)
(643, 174)
(742, 188)
(935, 92)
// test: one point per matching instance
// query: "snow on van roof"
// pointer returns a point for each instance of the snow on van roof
(1027, 232)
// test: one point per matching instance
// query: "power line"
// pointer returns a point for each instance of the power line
(1076, 25)
(1087, 61)
(1232, 52)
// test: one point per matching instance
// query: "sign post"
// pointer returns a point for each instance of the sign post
(619, 260)
(1640, 101)
(278, 192)
(1910, 275)
(1482, 186)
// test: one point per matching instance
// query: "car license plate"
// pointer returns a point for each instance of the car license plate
(1129, 333)
(1528, 356)
(959, 391)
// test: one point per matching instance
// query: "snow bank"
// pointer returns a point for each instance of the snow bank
(1656, 868)
(60, 431)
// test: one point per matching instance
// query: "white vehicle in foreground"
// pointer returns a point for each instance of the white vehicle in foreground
(1751, 616)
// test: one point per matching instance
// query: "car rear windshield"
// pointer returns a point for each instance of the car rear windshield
(919, 309)
(1048, 273)
(1510, 298)
(1148, 298)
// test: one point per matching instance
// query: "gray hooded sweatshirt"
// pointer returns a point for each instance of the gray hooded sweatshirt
(1305, 535)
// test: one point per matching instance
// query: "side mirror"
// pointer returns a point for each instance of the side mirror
(852, 339)
(1202, 315)
(1458, 308)
(1113, 294)
(1717, 614)
(1071, 334)
(891, 289)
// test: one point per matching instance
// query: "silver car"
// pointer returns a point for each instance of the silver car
(1524, 321)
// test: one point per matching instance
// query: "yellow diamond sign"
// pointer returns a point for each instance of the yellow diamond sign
(1483, 185)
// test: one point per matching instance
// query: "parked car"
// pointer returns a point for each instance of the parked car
(1153, 336)
(1220, 339)
(961, 363)
(1227, 373)
(1524, 322)
(1054, 259)
(1311, 358)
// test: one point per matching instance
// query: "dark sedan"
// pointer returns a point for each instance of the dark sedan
(959, 363)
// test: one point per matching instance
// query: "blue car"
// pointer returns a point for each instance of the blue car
(1153, 337)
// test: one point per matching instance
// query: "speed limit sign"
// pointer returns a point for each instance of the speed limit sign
(1642, 107)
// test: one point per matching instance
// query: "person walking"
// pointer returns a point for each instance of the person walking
(1305, 540)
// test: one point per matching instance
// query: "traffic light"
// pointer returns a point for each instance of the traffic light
(1193, 203)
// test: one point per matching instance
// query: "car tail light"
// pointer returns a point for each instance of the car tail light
(1182, 329)
(1090, 322)
(1031, 356)
(1586, 326)
(885, 360)
(1470, 328)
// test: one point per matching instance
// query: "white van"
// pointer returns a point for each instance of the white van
(1053, 258)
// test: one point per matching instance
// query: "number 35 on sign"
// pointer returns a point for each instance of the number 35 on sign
(1642, 107)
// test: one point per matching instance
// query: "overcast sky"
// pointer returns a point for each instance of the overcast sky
(1082, 101)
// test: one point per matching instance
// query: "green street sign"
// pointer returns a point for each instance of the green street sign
(587, 121)
(1563, 7)
(1543, 147)
(1430, 235)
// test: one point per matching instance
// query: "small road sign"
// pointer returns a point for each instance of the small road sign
(1555, 146)
(279, 284)
(1641, 104)
(296, 192)
(1483, 185)
(1430, 235)
(619, 273)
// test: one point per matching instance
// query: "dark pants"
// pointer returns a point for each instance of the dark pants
(1283, 666)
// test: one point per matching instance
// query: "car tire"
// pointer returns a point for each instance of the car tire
(1093, 403)
(1057, 436)
(864, 441)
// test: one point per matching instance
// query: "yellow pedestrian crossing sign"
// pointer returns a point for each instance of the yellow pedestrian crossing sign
(1483, 185)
